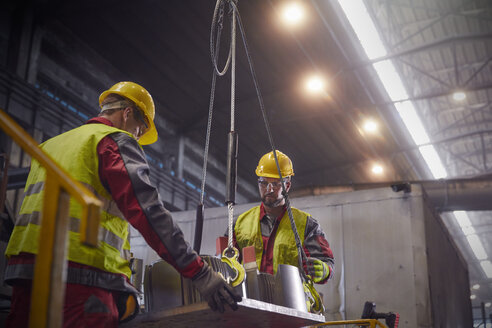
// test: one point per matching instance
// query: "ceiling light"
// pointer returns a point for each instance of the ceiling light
(293, 13)
(433, 161)
(364, 27)
(487, 268)
(377, 169)
(315, 84)
(464, 222)
(477, 247)
(368, 35)
(473, 297)
(370, 126)
(462, 218)
(476, 286)
(459, 96)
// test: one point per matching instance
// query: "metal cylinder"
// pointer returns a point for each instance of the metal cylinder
(231, 168)
(289, 291)
(197, 240)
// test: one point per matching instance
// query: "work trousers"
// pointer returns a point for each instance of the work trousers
(84, 306)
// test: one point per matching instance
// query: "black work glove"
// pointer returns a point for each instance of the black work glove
(215, 290)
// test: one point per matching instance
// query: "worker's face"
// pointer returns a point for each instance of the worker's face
(271, 191)
(134, 122)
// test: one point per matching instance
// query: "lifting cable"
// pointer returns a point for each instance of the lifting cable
(316, 301)
(231, 253)
(217, 23)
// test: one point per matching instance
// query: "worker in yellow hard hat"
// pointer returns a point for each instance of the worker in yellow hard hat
(267, 226)
(104, 154)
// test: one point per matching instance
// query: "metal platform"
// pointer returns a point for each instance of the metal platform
(251, 313)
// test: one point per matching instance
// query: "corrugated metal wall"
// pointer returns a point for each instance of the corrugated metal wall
(389, 248)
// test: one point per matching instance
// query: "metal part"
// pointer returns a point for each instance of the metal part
(314, 301)
(266, 284)
(231, 176)
(288, 288)
(230, 257)
(251, 313)
(165, 289)
(197, 240)
(162, 287)
(251, 281)
(137, 273)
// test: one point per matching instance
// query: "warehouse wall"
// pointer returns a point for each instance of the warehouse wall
(450, 295)
(389, 248)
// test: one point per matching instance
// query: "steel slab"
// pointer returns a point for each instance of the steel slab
(251, 313)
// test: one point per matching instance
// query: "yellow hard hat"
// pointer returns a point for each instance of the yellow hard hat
(142, 98)
(268, 168)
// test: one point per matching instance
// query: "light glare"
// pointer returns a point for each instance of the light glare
(433, 161)
(391, 80)
(459, 96)
(412, 122)
(292, 13)
(370, 126)
(315, 84)
(477, 247)
(377, 169)
(487, 268)
(488, 304)
(462, 218)
(473, 297)
(476, 286)
(464, 222)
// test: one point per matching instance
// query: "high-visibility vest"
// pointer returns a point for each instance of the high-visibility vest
(248, 233)
(76, 152)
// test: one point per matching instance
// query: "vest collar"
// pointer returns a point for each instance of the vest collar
(100, 120)
(263, 212)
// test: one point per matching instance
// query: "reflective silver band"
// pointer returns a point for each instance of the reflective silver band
(106, 280)
(35, 188)
(74, 225)
(109, 205)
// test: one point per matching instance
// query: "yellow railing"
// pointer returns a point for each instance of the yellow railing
(48, 288)
(372, 323)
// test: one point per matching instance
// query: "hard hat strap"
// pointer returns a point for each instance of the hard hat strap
(117, 104)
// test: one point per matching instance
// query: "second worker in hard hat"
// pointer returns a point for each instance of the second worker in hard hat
(104, 154)
(267, 226)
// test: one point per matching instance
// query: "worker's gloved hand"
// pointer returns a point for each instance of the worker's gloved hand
(317, 269)
(215, 290)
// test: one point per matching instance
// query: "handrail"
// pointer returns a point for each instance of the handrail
(48, 283)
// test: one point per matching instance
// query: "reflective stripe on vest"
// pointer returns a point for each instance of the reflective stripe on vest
(76, 152)
(248, 232)
(108, 206)
(104, 235)
(79, 276)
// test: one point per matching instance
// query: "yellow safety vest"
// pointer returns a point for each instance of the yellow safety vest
(248, 233)
(76, 152)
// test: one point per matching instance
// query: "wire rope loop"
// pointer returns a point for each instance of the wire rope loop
(217, 24)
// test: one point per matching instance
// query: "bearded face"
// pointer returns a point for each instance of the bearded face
(271, 191)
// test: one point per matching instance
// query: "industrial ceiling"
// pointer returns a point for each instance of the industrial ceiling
(438, 47)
